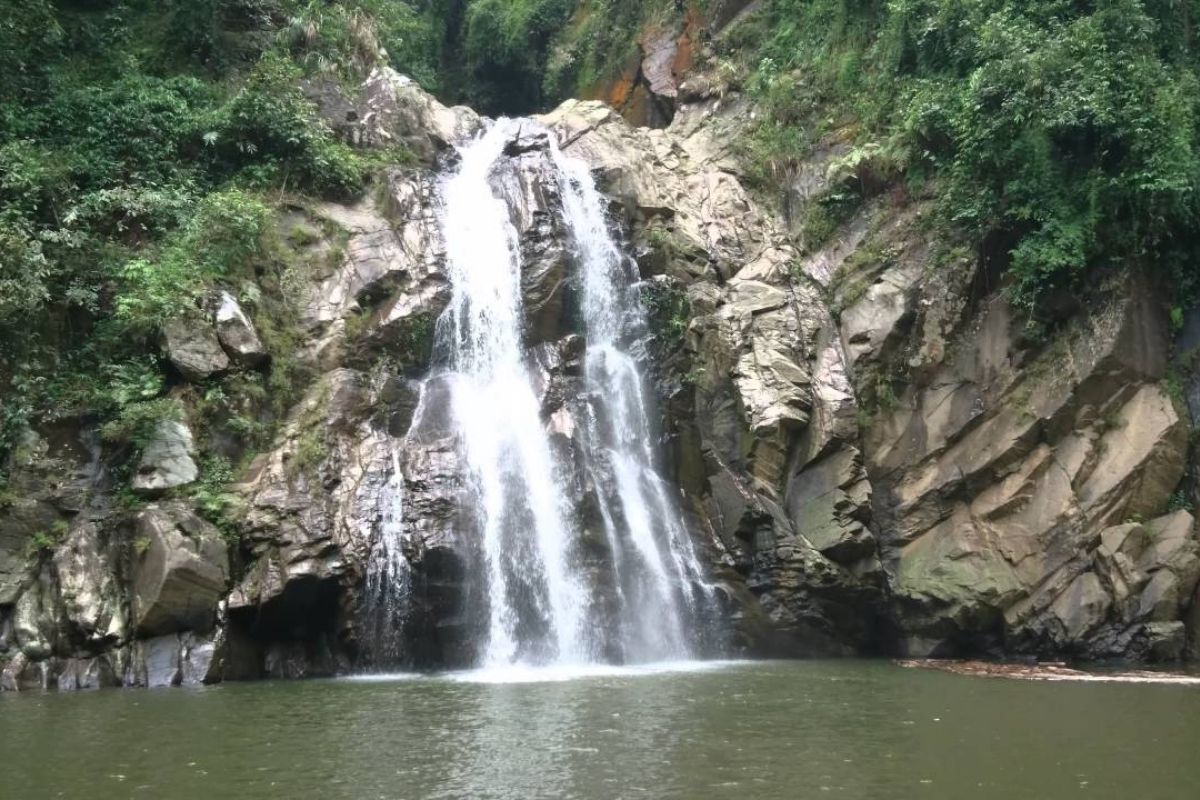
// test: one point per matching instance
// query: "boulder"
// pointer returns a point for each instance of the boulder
(181, 571)
(167, 460)
(236, 332)
(192, 346)
(394, 109)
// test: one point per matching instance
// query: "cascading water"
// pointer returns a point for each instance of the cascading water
(544, 603)
(389, 576)
(655, 565)
(536, 601)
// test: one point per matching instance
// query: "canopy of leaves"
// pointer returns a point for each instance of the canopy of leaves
(1065, 129)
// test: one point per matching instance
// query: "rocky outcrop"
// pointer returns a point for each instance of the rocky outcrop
(79, 620)
(193, 348)
(885, 452)
(395, 108)
(1005, 469)
(167, 460)
(760, 402)
(528, 185)
(236, 332)
(650, 85)
(388, 282)
(180, 572)
(877, 452)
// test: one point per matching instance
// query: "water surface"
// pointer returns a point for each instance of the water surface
(758, 730)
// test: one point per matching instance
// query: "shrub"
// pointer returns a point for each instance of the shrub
(24, 272)
(211, 494)
(222, 239)
(45, 541)
(270, 123)
(29, 38)
(136, 423)
(1067, 130)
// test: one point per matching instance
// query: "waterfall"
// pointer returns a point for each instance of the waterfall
(654, 562)
(389, 576)
(536, 600)
(544, 603)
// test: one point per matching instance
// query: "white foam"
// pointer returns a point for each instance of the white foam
(558, 673)
(384, 677)
(551, 673)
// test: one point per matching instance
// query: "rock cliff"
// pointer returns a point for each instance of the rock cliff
(877, 455)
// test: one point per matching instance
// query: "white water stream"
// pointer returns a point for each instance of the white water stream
(543, 606)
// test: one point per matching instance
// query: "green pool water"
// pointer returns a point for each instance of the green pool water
(848, 729)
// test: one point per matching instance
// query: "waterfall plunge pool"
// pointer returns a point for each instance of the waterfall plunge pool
(868, 730)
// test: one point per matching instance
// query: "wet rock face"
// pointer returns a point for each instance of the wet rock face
(527, 182)
(390, 278)
(874, 453)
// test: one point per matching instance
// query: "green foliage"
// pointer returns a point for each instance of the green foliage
(669, 312)
(1180, 501)
(221, 240)
(598, 42)
(23, 274)
(30, 37)
(136, 423)
(1067, 130)
(505, 44)
(312, 448)
(273, 127)
(414, 341)
(45, 541)
(312, 444)
(348, 39)
(126, 382)
(825, 214)
(211, 496)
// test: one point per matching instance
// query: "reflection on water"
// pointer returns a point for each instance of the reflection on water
(863, 730)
